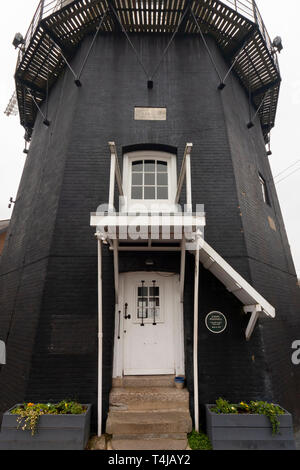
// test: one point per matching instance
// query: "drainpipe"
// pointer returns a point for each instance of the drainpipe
(100, 336)
(195, 361)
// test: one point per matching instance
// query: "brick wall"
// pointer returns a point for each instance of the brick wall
(48, 274)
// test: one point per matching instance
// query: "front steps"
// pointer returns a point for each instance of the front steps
(148, 413)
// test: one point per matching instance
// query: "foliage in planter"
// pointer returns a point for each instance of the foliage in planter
(199, 441)
(254, 407)
(29, 413)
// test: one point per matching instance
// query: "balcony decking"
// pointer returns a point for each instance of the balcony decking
(58, 27)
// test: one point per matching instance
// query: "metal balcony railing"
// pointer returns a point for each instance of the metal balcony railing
(58, 26)
(249, 9)
(45, 8)
(246, 8)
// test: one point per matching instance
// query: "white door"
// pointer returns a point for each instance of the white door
(152, 330)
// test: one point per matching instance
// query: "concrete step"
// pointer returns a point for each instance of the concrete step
(170, 435)
(145, 381)
(149, 444)
(149, 398)
(148, 422)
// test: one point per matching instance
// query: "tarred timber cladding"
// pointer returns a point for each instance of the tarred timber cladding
(270, 262)
(66, 177)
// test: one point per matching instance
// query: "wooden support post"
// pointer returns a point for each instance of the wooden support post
(182, 269)
(100, 337)
(188, 184)
(112, 183)
(116, 270)
(255, 311)
(183, 172)
(115, 176)
(195, 346)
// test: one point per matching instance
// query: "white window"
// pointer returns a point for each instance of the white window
(264, 189)
(150, 179)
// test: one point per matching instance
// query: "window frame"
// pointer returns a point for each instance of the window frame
(264, 189)
(154, 155)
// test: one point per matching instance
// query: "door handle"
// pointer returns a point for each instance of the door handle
(126, 316)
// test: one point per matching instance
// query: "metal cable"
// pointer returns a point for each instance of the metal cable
(128, 39)
(206, 45)
(169, 43)
(92, 43)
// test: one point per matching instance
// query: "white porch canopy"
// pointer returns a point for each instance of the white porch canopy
(169, 232)
(253, 302)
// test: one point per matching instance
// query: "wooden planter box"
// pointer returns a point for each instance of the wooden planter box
(54, 432)
(248, 431)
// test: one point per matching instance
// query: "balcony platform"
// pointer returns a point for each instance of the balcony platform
(58, 28)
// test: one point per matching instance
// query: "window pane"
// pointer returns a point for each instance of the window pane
(162, 167)
(149, 166)
(149, 192)
(137, 166)
(137, 179)
(143, 291)
(154, 291)
(142, 313)
(162, 179)
(149, 179)
(162, 192)
(137, 192)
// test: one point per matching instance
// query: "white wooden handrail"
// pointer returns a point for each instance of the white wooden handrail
(115, 175)
(185, 173)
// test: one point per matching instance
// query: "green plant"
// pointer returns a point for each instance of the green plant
(199, 441)
(254, 407)
(29, 413)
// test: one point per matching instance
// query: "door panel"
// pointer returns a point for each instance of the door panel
(149, 332)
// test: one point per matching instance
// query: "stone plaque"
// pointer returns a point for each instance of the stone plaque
(216, 322)
(150, 114)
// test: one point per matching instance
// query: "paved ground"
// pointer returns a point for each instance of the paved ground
(297, 439)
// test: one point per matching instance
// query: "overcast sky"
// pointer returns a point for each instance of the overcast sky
(281, 18)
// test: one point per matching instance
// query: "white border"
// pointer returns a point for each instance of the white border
(220, 313)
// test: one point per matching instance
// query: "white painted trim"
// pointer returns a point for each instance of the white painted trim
(179, 335)
(148, 372)
(183, 174)
(182, 269)
(234, 282)
(195, 345)
(148, 248)
(251, 325)
(255, 311)
(112, 183)
(116, 270)
(188, 184)
(163, 205)
(2, 353)
(118, 361)
(100, 337)
(117, 172)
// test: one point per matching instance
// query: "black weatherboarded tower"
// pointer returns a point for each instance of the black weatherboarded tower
(130, 92)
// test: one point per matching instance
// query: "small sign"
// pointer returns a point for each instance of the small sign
(150, 114)
(216, 322)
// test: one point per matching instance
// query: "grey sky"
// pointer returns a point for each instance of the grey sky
(281, 18)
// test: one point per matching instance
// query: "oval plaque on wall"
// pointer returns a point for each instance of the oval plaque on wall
(216, 322)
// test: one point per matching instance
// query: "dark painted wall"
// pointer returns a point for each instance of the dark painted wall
(48, 271)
